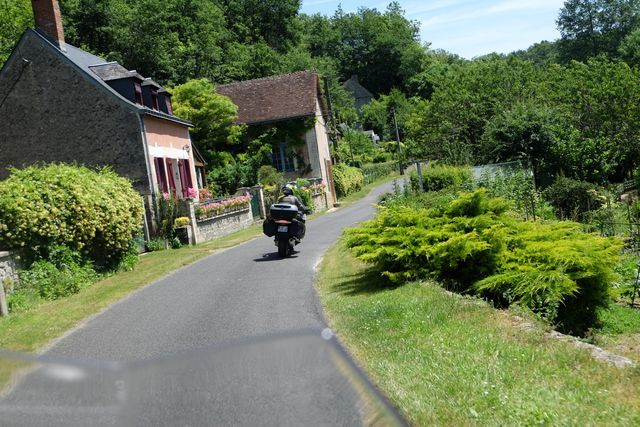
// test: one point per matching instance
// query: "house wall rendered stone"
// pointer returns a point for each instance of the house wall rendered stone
(52, 112)
(167, 140)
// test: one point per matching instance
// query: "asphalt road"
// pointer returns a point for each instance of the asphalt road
(229, 297)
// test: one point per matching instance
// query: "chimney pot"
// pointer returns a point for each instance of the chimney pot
(48, 19)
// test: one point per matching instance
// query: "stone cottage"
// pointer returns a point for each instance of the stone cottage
(59, 103)
(288, 99)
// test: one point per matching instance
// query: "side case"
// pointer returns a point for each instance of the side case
(269, 227)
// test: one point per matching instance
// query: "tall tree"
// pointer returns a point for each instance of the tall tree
(15, 17)
(592, 27)
(271, 21)
(213, 115)
(383, 49)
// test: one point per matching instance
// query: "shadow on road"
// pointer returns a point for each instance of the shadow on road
(273, 256)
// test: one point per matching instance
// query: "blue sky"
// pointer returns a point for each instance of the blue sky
(466, 27)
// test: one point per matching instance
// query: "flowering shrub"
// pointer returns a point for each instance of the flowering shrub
(94, 213)
(205, 194)
(211, 209)
(181, 221)
(192, 193)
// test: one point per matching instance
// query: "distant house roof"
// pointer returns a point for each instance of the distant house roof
(359, 92)
(95, 67)
(275, 98)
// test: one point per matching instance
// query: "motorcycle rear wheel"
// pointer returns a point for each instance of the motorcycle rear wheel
(283, 248)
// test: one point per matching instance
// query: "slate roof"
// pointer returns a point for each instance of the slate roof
(275, 98)
(87, 63)
(113, 71)
(353, 85)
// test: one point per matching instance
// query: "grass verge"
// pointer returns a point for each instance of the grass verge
(620, 331)
(447, 359)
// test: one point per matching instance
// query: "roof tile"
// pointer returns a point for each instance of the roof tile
(274, 98)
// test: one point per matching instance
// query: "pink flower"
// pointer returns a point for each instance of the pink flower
(192, 193)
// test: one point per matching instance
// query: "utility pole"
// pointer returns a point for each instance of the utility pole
(395, 124)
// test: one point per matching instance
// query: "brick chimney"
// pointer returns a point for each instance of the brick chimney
(48, 19)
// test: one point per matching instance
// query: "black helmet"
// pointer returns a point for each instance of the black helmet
(287, 191)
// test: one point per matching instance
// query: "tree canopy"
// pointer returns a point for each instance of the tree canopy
(567, 106)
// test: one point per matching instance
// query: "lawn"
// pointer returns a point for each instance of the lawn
(446, 359)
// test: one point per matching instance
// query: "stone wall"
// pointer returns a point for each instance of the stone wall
(222, 225)
(7, 266)
(319, 202)
(8, 279)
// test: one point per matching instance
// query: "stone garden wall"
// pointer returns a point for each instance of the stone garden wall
(218, 226)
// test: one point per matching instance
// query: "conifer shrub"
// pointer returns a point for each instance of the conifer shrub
(94, 213)
(347, 179)
(474, 245)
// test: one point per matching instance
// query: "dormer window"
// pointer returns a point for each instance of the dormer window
(138, 94)
(167, 102)
(154, 100)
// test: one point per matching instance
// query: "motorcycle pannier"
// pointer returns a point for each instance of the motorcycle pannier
(269, 227)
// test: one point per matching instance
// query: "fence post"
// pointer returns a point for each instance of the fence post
(193, 222)
(4, 310)
(419, 167)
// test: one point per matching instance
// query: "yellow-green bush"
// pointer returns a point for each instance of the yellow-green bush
(96, 213)
(347, 179)
(475, 246)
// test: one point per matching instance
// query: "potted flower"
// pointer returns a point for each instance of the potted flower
(183, 231)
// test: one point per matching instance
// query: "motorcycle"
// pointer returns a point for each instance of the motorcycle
(287, 224)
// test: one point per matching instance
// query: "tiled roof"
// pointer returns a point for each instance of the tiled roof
(274, 98)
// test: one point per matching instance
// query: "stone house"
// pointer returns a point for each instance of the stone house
(360, 93)
(295, 101)
(59, 103)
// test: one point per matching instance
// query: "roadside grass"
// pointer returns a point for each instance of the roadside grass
(447, 359)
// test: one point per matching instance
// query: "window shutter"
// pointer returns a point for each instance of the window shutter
(161, 175)
(172, 182)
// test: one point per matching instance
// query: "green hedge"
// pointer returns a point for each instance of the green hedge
(94, 213)
(374, 171)
(436, 177)
(347, 179)
(474, 245)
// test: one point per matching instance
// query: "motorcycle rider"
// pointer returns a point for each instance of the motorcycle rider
(290, 198)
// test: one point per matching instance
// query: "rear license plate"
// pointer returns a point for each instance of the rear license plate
(283, 229)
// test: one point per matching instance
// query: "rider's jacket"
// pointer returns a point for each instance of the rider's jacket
(292, 200)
